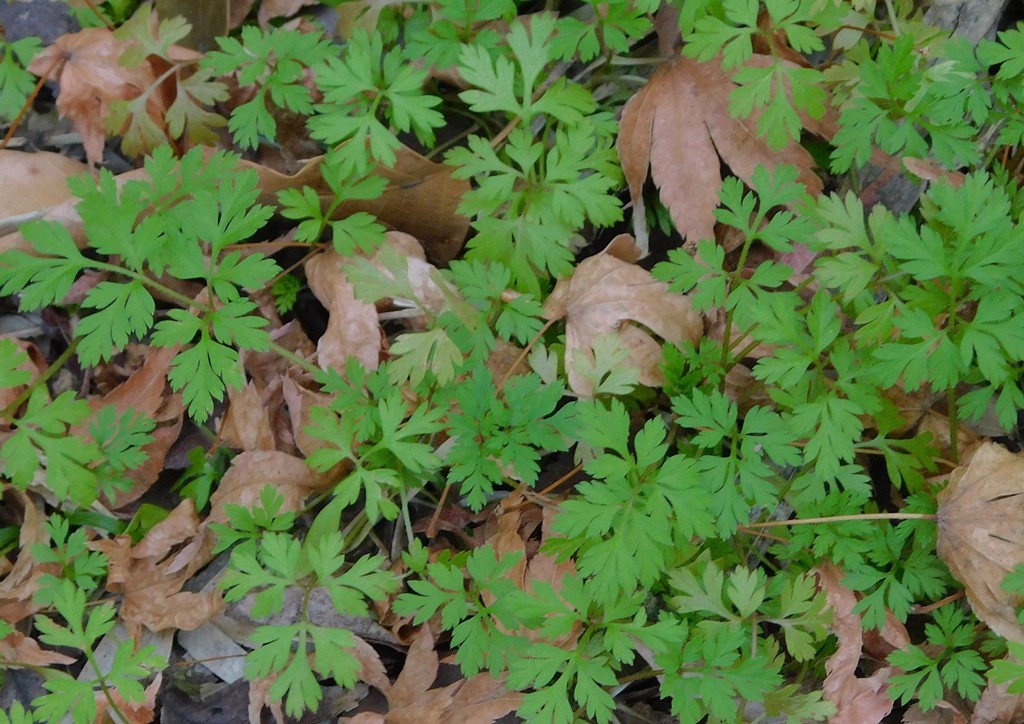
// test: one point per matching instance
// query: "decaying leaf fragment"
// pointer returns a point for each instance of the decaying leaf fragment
(981, 537)
(858, 699)
(86, 64)
(677, 126)
(150, 575)
(352, 327)
(609, 293)
(479, 700)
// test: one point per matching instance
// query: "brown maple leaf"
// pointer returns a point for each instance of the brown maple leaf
(677, 126)
(609, 294)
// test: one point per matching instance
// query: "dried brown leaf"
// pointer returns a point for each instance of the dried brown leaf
(20, 649)
(33, 181)
(677, 126)
(352, 327)
(411, 700)
(35, 365)
(942, 713)
(145, 393)
(422, 199)
(271, 9)
(371, 668)
(250, 472)
(246, 423)
(998, 706)
(299, 401)
(18, 588)
(929, 171)
(150, 575)
(858, 700)
(980, 535)
(130, 712)
(86, 65)
(606, 294)
(412, 687)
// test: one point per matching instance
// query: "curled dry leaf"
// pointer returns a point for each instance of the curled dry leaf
(18, 588)
(677, 126)
(35, 365)
(27, 651)
(980, 533)
(352, 327)
(144, 392)
(86, 65)
(998, 706)
(419, 272)
(517, 521)
(130, 712)
(246, 424)
(607, 294)
(929, 171)
(150, 575)
(481, 699)
(272, 9)
(858, 700)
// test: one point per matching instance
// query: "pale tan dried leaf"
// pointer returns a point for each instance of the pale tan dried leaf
(299, 401)
(352, 327)
(419, 272)
(151, 579)
(606, 294)
(264, 367)
(937, 424)
(858, 700)
(259, 697)
(35, 365)
(930, 171)
(86, 66)
(34, 181)
(20, 649)
(371, 668)
(411, 700)
(246, 423)
(363, 717)
(237, 11)
(130, 712)
(677, 126)
(942, 713)
(145, 392)
(412, 687)
(271, 9)
(18, 588)
(66, 214)
(998, 706)
(250, 472)
(484, 710)
(422, 199)
(980, 535)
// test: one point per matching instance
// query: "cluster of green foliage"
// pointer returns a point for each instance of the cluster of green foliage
(670, 584)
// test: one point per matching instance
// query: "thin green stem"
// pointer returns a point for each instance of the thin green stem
(295, 359)
(104, 687)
